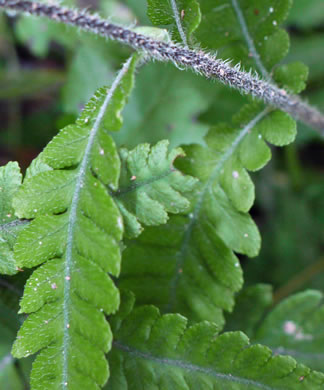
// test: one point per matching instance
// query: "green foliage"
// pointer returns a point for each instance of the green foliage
(292, 77)
(10, 181)
(162, 89)
(195, 357)
(38, 34)
(161, 14)
(69, 294)
(200, 274)
(294, 327)
(150, 186)
(178, 217)
(246, 32)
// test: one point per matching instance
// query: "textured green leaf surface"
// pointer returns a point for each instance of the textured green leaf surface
(188, 265)
(37, 166)
(292, 76)
(162, 13)
(247, 32)
(295, 327)
(10, 181)
(161, 352)
(150, 186)
(165, 105)
(75, 235)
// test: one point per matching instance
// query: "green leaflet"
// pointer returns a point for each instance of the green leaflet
(292, 76)
(150, 187)
(10, 181)
(188, 266)
(249, 33)
(161, 352)
(245, 31)
(295, 327)
(161, 89)
(162, 13)
(182, 268)
(75, 235)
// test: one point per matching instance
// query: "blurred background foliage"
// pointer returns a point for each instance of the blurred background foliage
(48, 72)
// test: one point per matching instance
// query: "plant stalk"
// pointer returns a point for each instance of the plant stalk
(198, 61)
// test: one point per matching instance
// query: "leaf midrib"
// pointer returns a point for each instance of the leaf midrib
(249, 40)
(73, 216)
(195, 213)
(192, 368)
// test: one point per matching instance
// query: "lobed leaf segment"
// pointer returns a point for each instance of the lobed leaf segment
(161, 352)
(75, 236)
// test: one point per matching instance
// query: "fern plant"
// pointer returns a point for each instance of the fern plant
(133, 252)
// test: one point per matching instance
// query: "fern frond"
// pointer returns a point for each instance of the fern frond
(75, 235)
(150, 187)
(188, 265)
(10, 226)
(161, 352)
(295, 327)
(250, 33)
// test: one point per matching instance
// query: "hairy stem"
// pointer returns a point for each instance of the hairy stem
(198, 61)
